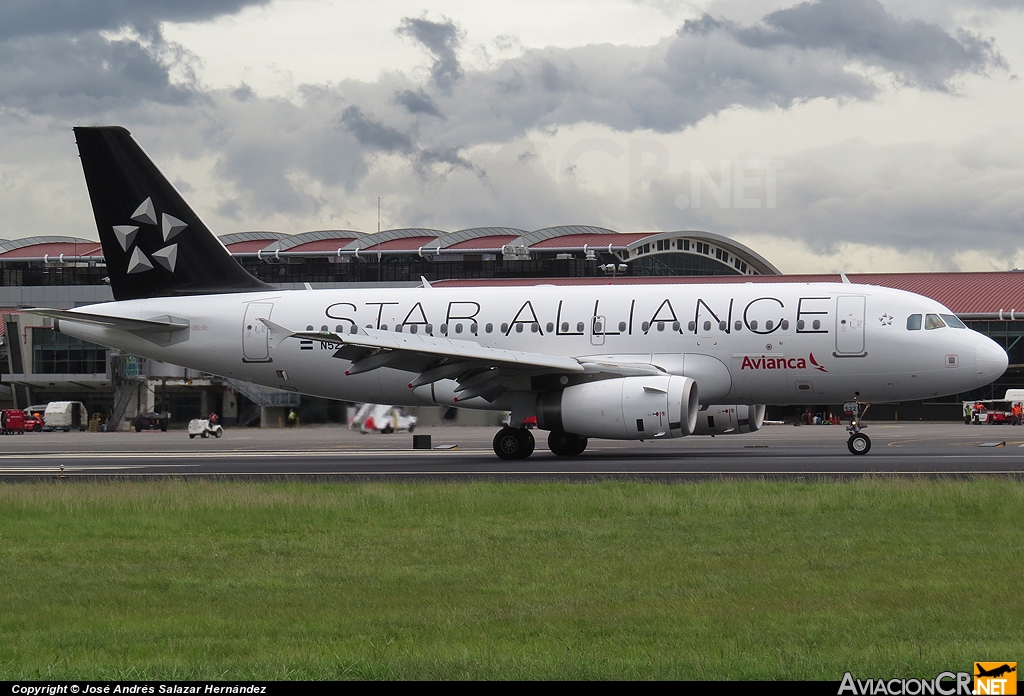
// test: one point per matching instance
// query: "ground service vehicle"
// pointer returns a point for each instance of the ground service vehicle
(152, 420)
(627, 362)
(33, 423)
(201, 427)
(66, 416)
(12, 421)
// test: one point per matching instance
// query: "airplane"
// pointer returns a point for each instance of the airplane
(618, 362)
(995, 671)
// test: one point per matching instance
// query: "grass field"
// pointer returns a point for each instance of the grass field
(742, 580)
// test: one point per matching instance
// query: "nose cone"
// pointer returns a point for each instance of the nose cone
(991, 361)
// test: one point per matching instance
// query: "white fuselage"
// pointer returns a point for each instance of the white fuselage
(743, 343)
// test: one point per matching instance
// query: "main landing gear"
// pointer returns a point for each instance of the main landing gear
(518, 443)
(859, 443)
(514, 443)
(566, 444)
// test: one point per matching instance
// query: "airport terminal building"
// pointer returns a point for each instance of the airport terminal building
(38, 364)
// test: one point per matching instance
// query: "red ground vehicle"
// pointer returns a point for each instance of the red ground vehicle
(12, 421)
(33, 423)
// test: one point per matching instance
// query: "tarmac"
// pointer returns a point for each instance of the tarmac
(948, 449)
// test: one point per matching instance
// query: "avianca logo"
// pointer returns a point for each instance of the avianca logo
(766, 363)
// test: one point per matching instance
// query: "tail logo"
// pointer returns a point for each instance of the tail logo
(170, 227)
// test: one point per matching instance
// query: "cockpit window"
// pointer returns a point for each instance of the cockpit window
(914, 322)
(932, 321)
(951, 320)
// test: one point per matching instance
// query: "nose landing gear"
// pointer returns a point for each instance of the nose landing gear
(859, 443)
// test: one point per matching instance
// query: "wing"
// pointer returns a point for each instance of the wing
(478, 369)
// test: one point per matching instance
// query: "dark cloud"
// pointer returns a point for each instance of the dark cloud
(54, 59)
(442, 40)
(82, 75)
(921, 53)
(374, 134)
(37, 17)
(417, 102)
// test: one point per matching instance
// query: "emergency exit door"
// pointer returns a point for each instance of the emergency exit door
(850, 326)
(255, 335)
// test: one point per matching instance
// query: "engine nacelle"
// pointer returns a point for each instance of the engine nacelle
(731, 420)
(626, 408)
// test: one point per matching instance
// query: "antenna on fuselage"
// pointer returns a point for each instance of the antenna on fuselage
(846, 281)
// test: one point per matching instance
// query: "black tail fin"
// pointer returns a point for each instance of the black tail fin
(154, 245)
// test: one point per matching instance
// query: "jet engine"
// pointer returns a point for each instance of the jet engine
(625, 408)
(721, 420)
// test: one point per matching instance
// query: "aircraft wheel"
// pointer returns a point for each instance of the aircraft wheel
(566, 444)
(859, 443)
(514, 443)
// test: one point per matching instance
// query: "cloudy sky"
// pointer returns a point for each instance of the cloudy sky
(830, 135)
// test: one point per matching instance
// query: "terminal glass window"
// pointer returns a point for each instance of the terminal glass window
(56, 354)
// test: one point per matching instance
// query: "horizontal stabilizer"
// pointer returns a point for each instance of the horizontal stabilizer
(154, 324)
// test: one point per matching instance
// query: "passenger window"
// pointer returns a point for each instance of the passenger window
(914, 322)
(932, 321)
(953, 321)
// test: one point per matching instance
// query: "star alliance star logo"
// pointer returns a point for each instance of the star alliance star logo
(170, 226)
(885, 320)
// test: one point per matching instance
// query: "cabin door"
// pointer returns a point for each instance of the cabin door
(850, 326)
(255, 335)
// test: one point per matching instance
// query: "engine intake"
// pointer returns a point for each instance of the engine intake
(626, 408)
(722, 420)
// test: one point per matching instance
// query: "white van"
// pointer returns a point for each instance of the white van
(66, 416)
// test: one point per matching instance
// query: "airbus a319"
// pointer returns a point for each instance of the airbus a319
(626, 362)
